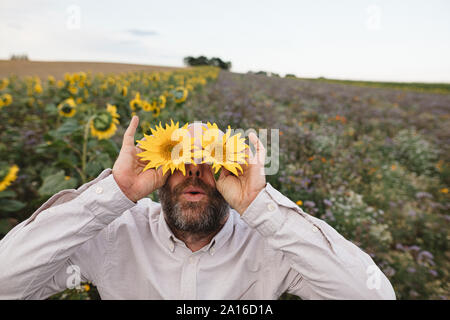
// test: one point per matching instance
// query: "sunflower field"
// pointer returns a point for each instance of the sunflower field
(59, 134)
(371, 162)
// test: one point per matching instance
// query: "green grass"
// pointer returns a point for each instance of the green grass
(440, 88)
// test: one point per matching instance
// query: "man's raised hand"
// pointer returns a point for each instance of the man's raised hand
(240, 191)
(127, 170)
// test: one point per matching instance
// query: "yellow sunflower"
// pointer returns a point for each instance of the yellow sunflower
(124, 91)
(226, 151)
(7, 176)
(169, 147)
(73, 90)
(38, 88)
(180, 94)
(67, 108)
(156, 112)
(103, 126)
(162, 102)
(6, 99)
(147, 106)
(4, 83)
(136, 102)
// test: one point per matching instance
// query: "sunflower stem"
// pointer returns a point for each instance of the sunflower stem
(84, 154)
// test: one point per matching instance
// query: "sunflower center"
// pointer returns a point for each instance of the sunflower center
(66, 108)
(167, 151)
(103, 121)
(179, 94)
(220, 148)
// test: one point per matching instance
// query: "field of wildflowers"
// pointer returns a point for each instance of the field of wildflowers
(372, 162)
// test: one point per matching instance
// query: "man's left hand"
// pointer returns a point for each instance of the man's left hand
(240, 191)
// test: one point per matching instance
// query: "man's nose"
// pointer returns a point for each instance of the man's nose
(194, 170)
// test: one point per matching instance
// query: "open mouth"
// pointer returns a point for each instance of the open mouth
(192, 193)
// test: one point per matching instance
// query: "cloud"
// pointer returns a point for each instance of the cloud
(142, 33)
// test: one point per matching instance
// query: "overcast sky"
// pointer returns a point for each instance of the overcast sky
(397, 40)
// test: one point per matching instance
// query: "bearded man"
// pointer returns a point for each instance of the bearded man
(232, 238)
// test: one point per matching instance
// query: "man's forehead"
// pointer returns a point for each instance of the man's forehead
(196, 131)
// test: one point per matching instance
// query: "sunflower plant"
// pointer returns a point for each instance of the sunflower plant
(180, 95)
(67, 108)
(103, 125)
(7, 176)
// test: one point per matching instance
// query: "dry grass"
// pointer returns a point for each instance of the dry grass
(57, 69)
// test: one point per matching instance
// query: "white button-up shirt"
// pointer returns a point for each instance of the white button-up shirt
(128, 251)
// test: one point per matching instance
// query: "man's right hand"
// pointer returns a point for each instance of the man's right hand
(127, 170)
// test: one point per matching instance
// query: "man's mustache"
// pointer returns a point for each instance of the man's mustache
(195, 182)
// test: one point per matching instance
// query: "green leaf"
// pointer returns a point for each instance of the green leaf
(7, 194)
(92, 144)
(6, 225)
(93, 168)
(110, 147)
(55, 183)
(68, 127)
(8, 205)
(105, 161)
(47, 172)
(51, 109)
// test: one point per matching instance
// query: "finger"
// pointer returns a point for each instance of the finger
(260, 151)
(248, 159)
(224, 173)
(128, 137)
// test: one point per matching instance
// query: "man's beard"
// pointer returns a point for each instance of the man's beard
(200, 217)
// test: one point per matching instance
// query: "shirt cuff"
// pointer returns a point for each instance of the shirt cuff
(105, 199)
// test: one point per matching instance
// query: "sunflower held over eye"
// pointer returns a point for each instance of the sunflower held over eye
(180, 94)
(170, 148)
(7, 176)
(103, 125)
(226, 151)
(67, 108)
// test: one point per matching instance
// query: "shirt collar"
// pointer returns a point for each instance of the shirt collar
(169, 240)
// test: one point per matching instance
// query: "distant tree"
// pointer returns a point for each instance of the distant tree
(19, 57)
(267, 74)
(204, 61)
(290, 75)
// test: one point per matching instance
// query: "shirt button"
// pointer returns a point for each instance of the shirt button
(212, 250)
(171, 246)
(314, 229)
(191, 260)
(271, 207)
(99, 190)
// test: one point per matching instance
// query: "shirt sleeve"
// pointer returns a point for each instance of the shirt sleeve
(328, 265)
(35, 256)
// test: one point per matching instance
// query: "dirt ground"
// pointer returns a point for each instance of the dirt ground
(57, 69)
